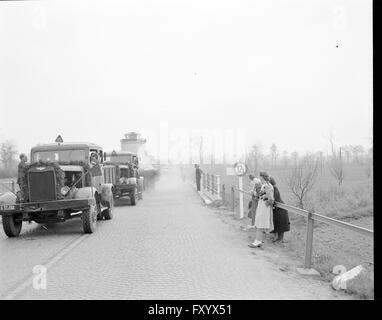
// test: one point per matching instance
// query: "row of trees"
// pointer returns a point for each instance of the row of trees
(349, 154)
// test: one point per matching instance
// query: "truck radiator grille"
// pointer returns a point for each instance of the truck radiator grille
(42, 185)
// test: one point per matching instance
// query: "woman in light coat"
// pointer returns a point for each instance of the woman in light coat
(256, 187)
(264, 214)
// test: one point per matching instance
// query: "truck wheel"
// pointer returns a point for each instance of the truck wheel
(12, 228)
(133, 197)
(89, 219)
(108, 213)
(99, 212)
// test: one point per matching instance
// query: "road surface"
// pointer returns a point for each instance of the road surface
(169, 246)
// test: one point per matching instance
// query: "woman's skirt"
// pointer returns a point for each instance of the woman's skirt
(252, 209)
(281, 220)
(264, 216)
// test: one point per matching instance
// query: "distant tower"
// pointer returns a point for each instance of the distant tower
(132, 142)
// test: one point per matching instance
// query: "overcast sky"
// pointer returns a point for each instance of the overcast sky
(286, 72)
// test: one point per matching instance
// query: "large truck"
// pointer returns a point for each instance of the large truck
(63, 181)
(127, 181)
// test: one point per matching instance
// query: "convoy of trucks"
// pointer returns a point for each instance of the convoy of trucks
(71, 180)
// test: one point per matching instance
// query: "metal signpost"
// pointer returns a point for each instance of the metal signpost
(240, 170)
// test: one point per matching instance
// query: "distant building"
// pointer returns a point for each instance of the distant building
(132, 142)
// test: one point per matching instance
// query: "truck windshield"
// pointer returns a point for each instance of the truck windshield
(126, 158)
(62, 155)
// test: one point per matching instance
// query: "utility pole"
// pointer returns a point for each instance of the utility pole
(201, 150)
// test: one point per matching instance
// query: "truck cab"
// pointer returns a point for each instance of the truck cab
(63, 181)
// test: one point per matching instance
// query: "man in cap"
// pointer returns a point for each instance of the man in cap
(198, 176)
(21, 174)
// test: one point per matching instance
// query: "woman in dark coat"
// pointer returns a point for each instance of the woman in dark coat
(280, 216)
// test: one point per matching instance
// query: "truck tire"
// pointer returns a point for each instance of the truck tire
(133, 197)
(108, 213)
(12, 228)
(140, 190)
(89, 219)
(99, 212)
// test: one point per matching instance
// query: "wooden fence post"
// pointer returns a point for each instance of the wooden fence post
(241, 198)
(218, 185)
(233, 199)
(309, 241)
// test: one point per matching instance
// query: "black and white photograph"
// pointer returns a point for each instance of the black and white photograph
(186, 150)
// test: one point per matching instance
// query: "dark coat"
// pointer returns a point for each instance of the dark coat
(198, 173)
(280, 216)
(21, 172)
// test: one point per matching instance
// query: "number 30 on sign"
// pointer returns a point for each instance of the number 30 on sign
(240, 168)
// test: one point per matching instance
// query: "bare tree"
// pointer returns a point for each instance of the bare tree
(274, 154)
(294, 156)
(201, 150)
(369, 163)
(8, 154)
(320, 159)
(285, 158)
(303, 177)
(357, 151)
(254, 157)
(347, 150)
(336, 166)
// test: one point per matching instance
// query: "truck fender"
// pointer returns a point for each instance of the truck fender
(85, 193)
(8, 198)
(106, 191)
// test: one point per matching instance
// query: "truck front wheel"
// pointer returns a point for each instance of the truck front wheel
(89, 219)
(11, 226)
(133, 197)
(108, 213)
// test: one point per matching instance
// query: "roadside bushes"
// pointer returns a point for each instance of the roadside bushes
(6, 174)
(352, 201)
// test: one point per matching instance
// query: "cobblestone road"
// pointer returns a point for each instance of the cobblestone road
(169, 246)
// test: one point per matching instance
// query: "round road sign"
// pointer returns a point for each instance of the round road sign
(240, 168)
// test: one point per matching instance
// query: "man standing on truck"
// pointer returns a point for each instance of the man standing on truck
(198, 176)
(21, 174)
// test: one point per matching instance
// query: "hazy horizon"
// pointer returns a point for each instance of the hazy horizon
(283, 72)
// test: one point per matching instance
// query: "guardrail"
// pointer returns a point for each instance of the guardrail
(211, 183)
(214, 188)
(311, 217)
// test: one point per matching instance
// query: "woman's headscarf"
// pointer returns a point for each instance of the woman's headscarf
(272, 181)
(264, 175)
